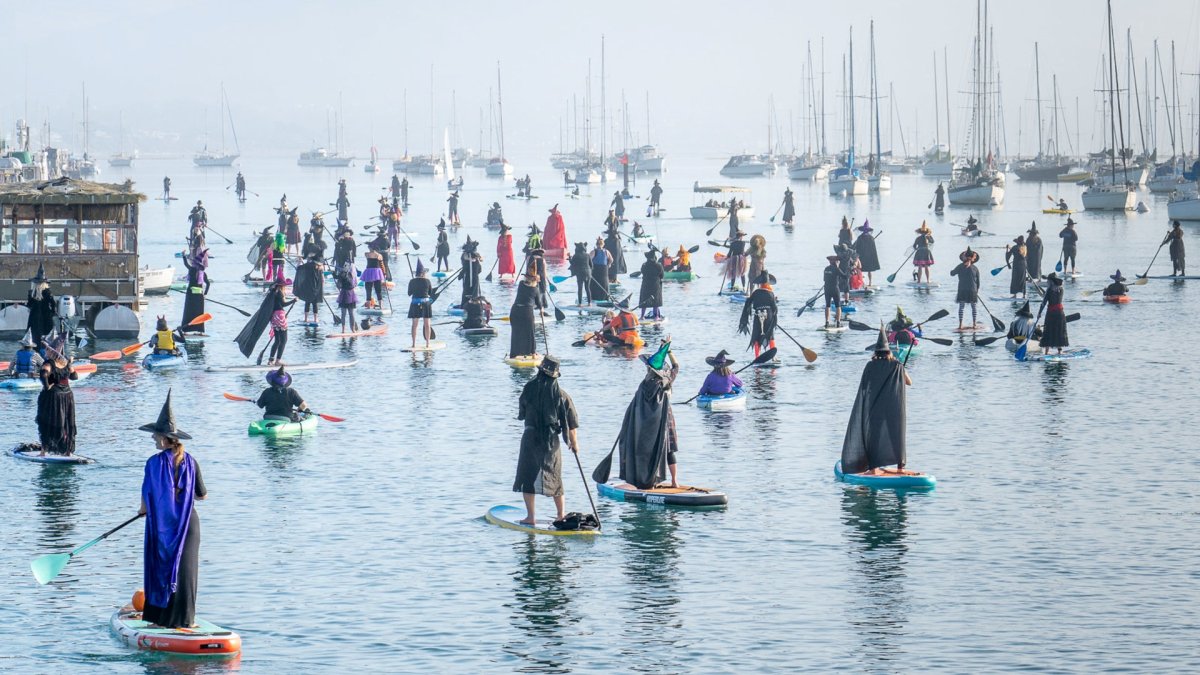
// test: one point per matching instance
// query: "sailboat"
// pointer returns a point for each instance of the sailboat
(206, 157)
(122, 159)
(847, 179)
(499, 166)
(373, 165)
(1112, 194)
(809, 166)
(448, 160)
(979, 184)
(878, 180)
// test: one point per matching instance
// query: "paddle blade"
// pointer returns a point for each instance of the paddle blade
(1058, 266)
(46, 567)
(584, 341)
(891, 278)
(559, 315)
(488, 278)
(84, 368)
(602, 471)
(940, 314)
(858, 325)
(1073, 317)
(765, 356)
(694, 248)
(635, 275)
(998, 325)
(1142, 281)
(997, 271)
(330, 418)
(809, 355)
(983, 342)
(231, 397)
(945, 342)
(107, 356)
(203, 318)
(131, 349)
(559, 279)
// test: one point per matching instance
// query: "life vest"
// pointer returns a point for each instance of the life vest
(24, 361)
(164, 340)
(624, 325)
(685, 259)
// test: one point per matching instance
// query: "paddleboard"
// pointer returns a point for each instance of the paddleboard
(438, 275)
(865, 290)
(289, 367)
(481, 331)
(30, 453)
(923, 285)
(197, 338)
(737, 298)
(970, 329)
(1005, 298)
(434, 345)
(309, 324)
(585, 309)
(206, 638)
(661, 321)
(1118, 299)
(524, 361)
(507, 516)
(1067, 355)
(683, 495)
(734, 400)
(921, 481)
(833, 329)
(456, 310)
(732, 291)
(375, 311)
(1172, 278)
(378, 330)
(259, 282)
(280, 428)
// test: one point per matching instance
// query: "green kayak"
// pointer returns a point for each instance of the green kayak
(278, 428)
(679, 276)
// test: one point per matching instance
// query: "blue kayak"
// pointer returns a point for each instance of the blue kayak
(166, 361)
(918, 482)
(22, 384)
(734, 400)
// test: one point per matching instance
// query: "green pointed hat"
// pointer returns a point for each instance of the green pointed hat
(659, 359)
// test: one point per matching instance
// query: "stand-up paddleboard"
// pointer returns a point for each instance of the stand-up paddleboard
(507, 516)
(773, 363)
(683, 495)
(1058, 211)
(833, 329)
(737, 298)
(736, 290)
(290, 367)
(434, 345)
(456, 310)
(308, 324)
(652, 323)
(524, 361)
(921, 481)
(31, 452)
(1007, 298)
(196, 338)
(438, 275)
(970, 329)
(734, 400)
(1067, 355)
(1171, 277)
(375, 311)
(480, 331)
(849, 309)
(259, 282)
(22, 383)
(923, 285)
(585, 309)
(381, 329)
(865, 290)
(205, 639)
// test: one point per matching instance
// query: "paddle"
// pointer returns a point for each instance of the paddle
(488, 278)
(809, 355)
(586, 487)
(415, 245)
(126, 351)
(714, 227)
(1160, 247)
(327, 418)
(996, 323)
(227, 239)
(216, 302)
(1058, 265)
(1140, 281)
(776, 213)
(46, 567)
(891, 278)
(761, 358)
(809, 304)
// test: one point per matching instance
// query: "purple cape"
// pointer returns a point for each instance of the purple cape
(169, 497)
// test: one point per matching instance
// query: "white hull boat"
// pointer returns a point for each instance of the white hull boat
(587, 176)
(813, 172)
(1184, 208)
(976, 195)
(1164, 184)
(156, 281)
(938, 169)
(848, 185)
(718, 212)
(1109, 198)
(207, 160)
(880, 183)
(498, 167)
(748, 169)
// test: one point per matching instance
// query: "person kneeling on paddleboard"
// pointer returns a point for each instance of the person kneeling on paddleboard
(875, 432)
(1021, 329)
(279, 401)
(721, 380)
(477, 312)
(549, 414)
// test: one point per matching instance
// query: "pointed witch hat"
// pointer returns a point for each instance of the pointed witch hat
(659, 359)
(165, 424)
(40, 278)
(881, 342)
(27, 341)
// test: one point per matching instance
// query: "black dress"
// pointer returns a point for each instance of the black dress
(599, 286)
(193, 302)
(867, 255)
(420, 289)
(1016, 257)
(181, 608)
(1033, 256)
(549, 414)
(41, 315)
(612, 242)
(968, 283)
(651, 294)
(56, 413)
(523, 342)
(1054, 330)
(760, 307)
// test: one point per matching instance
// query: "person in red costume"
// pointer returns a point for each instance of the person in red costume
(554, 240)
(504, 252)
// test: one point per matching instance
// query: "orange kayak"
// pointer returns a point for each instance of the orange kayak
(1117, 299)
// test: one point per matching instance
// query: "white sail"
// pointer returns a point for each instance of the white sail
(446, 155)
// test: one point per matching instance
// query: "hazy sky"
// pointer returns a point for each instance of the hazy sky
(710, 67)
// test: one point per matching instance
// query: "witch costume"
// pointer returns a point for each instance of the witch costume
(472, 265)
(762, 308)
(1015, 256)
(581, 269)
(171, 559)
(528, 302)
(875, 435)
(612, 242)
(40, 302)
(549, 414)
(865, 247)
(1033, 254)
(968, 283)
(648, 441)
(650, 296)
(198, 284)
(56, 409)
(1054, 329)
(601, 260)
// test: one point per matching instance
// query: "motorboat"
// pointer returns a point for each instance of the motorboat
(746, 165)
(714, 207)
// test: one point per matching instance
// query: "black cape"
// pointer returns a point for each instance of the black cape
(651, 294)
(648, 432)
(875, 434)
(521, 318)
(613, 243)
(549, 414)
(309, 284)
(760, 306)
(41, 315)
(1019, 271)
(255, 327)
(1033, 256)
(867, 255)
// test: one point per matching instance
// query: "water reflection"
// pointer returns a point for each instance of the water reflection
(57, 503)
(162, 664)
(877, 530)
(541, 607)
(281, 453)
(651, 621)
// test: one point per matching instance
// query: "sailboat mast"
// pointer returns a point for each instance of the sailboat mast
(850, 70)
(875, 97)
(1116, 88)
(603, 112)
(1037, 69)
(648, 118)
(946, 91)
(824, 147)
(500, 111)
(406, 123)
(937, 117)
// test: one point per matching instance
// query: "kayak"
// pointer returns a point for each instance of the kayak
(921, 481)
(1117, 299)
(734, 400)
(381, 329)
(375, 311)
(456, 310)
(290, 367)
(30, 452)
(278, 428)
(833, 329)
(1059, 211)
(1068, 355)
(969, 329)
(524, 361)
(482, 330)
(684, 495)
(166, 361)
(923, 285)
(904, 350)
(507, 516)
(21, 383)
(205, 638)
(434, 345)
(679, 276)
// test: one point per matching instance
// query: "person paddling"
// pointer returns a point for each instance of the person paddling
(612, 242)
(198, 284)
(619, 329)
(650, 298)
(41, 305)
(171, 484)
(736, 264)
(240, 188)
(1016, 257)
(309, 285)
(972, 229)
(347, 297)
(868, 256)
(279, 401)
(832, 278)
(166, 188)
(618, 205)
(581, 269)
(1023, 328)
(789, 206)
(762, 308)
(549, 414)
(164, 339)
(968, 284)
(923, 258)
(452, 208)
(1117, 289)
(875, 434)
(472, 265)
(1175, 237)
(721, 381)
(648, 440)
(1033, 256)
(477, 312)
(902, 331)
(27, 362)
(1070, 245)
(442, 250)
(523, 341)
(757, 254)
(506, 263)
(683, 260)
(845, 236)
(601, 260)
(939, 199)
(56, 407)
(420, 306)
(279, 323)
(1054, 330)
(656, 200)
(374, 274)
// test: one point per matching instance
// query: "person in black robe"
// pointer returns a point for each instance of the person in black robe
(472, 265)
(526, 305)
(650, 296)
(345, 250)
(762, 308)
(655, 199)
(443, 247)
(648, 440)
(343, 202)
(404, 191)
(968, 284)
(845, 236)
(581, 269)
(1014, 257)
(549, 414)
(198, 284)
(166, 187)
(832, 280)
(1054, 330)
(1033, 253)
(1117, 288)
(309, 286)
(846, 258)
(939, 199)
(56, 407)
(256, 325)
(864, 246)
(789, 206)
(612, 242)
(734, 221)
(618, 205)
(42, 308)
(1070, 244)
(737, 263)
(875, 434)
(452, 208)
(602, 259)
(477, 312)
(1175, 237)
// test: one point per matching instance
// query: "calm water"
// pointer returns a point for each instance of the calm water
(1061, 536)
